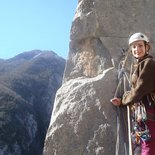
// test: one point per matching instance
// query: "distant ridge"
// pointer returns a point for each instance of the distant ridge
(28, 84)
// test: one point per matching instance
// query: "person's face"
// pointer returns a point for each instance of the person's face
(138, 49)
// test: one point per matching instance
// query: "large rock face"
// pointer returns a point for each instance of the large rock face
(28, 84)
(83, 121)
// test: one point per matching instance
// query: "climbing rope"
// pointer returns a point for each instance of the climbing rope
(123, 80)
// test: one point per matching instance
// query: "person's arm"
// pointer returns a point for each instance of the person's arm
(144, 85)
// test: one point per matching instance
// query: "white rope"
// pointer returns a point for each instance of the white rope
(128, 118)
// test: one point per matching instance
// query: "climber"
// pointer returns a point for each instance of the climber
(141, 96)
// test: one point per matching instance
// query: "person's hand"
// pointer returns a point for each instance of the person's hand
(116, 101)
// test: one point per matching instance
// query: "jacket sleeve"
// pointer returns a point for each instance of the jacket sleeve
(144, 85)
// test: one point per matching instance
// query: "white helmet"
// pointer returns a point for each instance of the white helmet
(138, 36)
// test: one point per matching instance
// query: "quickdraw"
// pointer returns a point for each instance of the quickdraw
(140, 131)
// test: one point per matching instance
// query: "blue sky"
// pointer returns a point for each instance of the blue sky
(35, 24)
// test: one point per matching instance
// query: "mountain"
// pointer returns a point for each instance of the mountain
(28, 84)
